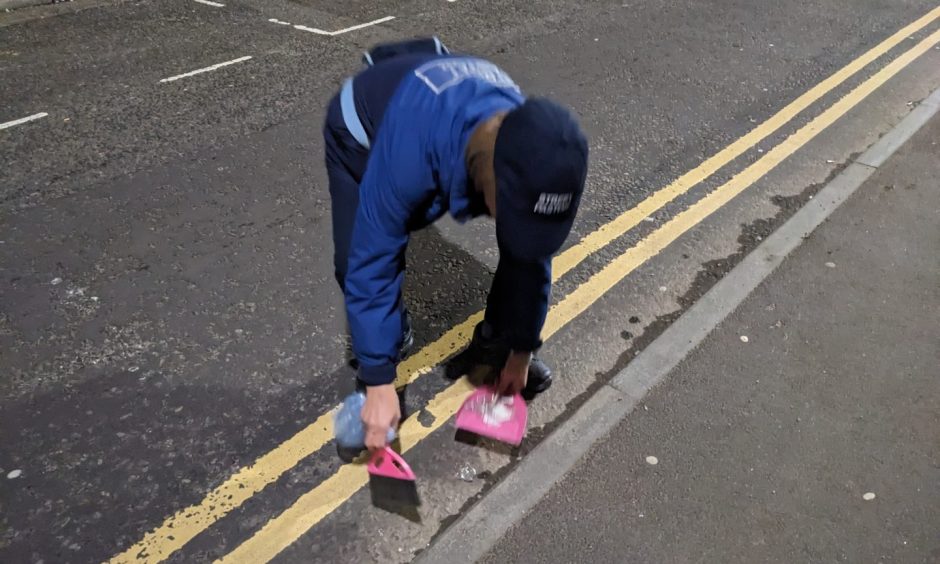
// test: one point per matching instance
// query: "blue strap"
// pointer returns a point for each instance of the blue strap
(348, 105)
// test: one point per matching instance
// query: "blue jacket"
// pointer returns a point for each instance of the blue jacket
(419, 112)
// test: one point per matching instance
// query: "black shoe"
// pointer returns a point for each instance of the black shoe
(407, 344)
(348, 454)
(487, 349)
(539, 380)
(351, 359)
(408, 337)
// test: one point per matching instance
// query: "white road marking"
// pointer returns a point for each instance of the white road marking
(22, 120)
(319, 31)
(208, 3)
(207, 69)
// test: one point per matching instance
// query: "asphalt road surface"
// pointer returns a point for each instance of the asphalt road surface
(170, 333)
(803, 429)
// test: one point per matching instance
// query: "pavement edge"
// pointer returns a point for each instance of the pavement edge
(14, 4)
(481, 527)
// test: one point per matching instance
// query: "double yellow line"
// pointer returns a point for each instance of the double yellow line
(312, 507)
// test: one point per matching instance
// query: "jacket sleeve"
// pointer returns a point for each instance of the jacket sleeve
(518, 301)
(532, 293)
(376, 266)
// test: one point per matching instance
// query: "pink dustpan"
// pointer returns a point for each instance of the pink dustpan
(489, 414)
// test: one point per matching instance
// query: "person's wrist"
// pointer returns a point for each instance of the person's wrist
(379, 388)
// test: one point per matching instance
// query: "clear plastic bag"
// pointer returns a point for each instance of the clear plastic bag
(493, 409)
(347, 423)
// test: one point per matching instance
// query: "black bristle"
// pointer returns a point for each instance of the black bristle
(392, 494)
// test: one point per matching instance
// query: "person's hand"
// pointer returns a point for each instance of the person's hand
(513, 377)
(380, 413)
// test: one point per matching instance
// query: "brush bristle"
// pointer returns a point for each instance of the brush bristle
(393, 494)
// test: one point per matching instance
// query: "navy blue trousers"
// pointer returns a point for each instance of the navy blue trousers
(345, 164)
